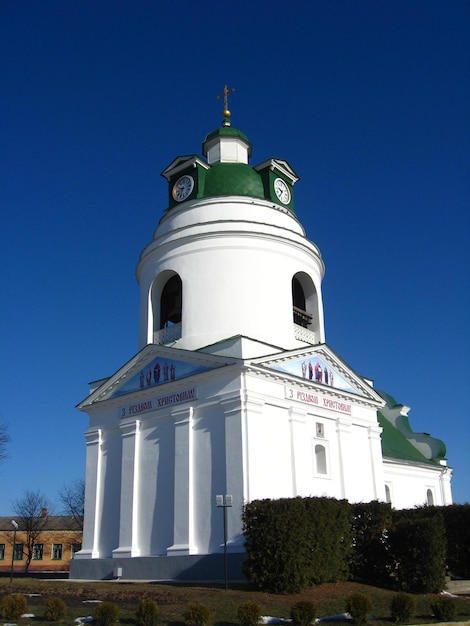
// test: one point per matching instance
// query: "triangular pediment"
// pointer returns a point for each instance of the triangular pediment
(280, 166)
(182, 163)
(153, 367)
(321, 366)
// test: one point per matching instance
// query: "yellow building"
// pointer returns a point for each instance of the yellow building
(48, 543)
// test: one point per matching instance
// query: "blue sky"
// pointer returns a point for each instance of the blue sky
(368, 102)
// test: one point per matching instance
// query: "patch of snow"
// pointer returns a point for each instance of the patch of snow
(28, 615)
(91, 601)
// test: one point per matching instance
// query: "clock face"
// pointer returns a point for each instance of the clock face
(182, 188)
(282, 191)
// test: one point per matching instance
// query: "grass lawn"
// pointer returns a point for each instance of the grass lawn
(172, 600)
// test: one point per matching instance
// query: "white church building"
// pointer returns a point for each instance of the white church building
(234, 391)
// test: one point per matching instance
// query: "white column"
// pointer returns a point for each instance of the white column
(183, 529)
(300, 452)
(252, 406)
(343, 430)
(375, 447)
(91, 528)
(130, 472)
(444, 483)
(233, 469)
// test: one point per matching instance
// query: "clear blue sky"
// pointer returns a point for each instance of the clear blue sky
(368, 100)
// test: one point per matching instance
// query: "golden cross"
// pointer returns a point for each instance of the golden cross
(225, 93)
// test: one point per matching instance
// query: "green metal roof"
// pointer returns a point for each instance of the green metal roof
(227, 131)
(232, 179)
(396, 446)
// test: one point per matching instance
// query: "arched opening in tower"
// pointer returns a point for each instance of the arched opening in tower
(301, 316)
(171, 302)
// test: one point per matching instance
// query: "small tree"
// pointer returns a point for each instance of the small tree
(303, 613)
(13, 606)
(147, 612)
(56, 609)
(106, 614)
(444, 609)
(358, 606)
(72, 498)
(197, 614)
(402, 607)
(31, 516)
(249, 613)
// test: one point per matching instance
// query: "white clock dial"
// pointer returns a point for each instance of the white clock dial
(182, 188)
(282, 191)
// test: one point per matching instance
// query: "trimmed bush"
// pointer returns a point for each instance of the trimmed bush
(370, 525)
(358, 606)
(444, 609)
(249, 613)
(418, 547)
(402, 607)
(294, 543)
(303, 613)
(147, 612)
(56, 609)
(106, 614)
(13, 606)
(197, 614)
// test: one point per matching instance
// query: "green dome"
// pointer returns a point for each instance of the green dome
(233, 179)
(226, 131)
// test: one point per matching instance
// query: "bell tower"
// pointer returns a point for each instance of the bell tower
(233, 390)
(229, 258)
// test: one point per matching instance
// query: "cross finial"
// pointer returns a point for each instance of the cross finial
(226, 112)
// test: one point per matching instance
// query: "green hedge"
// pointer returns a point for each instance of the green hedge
(294, 543)
(371, 524)
(457, 523)
(418, 548)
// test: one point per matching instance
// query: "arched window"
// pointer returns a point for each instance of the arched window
(320, 459)
(301, 316)
(388, 498)
(171, 302)
(429, 498)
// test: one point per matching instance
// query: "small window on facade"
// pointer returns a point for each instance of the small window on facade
(320, 429)
(2, 551)
(18, 552)
(388, 498)
(38, 550)
(429, 498)
(56, 551)
(75, 547)
(320, 459)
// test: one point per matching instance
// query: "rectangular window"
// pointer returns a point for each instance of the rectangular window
(38, 550)
(18, 552)
(320, 430)
(2, 551)
(56, 551)
(75, 547)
